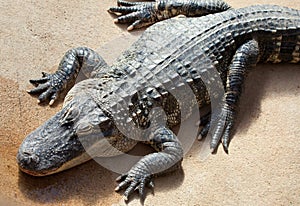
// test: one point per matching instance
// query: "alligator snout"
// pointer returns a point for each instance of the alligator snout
(27, 160)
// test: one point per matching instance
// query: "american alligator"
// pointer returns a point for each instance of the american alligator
(168, 56)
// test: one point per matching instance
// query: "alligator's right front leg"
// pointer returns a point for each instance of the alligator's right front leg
(79, 59)
(141, 14)
(169, 154)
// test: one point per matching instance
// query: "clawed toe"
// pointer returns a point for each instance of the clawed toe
(219, 129)
(137, 14)
(222, 129)
(47, 88)
(132, 183)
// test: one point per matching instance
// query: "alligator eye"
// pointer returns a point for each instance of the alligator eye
(83, 128)
(69, 116)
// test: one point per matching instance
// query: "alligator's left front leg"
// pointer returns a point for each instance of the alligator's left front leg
(245, 57)
(169, 153)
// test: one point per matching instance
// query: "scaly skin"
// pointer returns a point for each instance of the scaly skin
(118, 100)
(141, 14)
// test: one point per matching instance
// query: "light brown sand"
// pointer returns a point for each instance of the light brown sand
(263, 167)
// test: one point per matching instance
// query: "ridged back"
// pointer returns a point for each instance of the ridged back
(189, 49)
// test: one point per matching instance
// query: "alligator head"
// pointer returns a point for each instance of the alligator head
(62, 141)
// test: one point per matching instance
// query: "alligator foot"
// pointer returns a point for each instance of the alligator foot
(219, 127)
(167, 158)
(138, 14)
(222, 127)
(141, 14)
(133, 181)
(48, 87)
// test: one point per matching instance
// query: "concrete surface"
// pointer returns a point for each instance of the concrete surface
(263, 167)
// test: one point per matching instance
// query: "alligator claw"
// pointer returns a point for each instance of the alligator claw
(205, 122)
(129, 3)
(123, 10)
(138, 14)
(121, 178)
(204, 131)
(223, 129)
(48, 87)
(134, 182)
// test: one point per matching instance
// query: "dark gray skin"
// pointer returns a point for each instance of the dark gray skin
(46, 156)
(61, 138)
(231, 42)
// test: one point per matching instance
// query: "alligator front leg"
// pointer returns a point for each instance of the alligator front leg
(141, 14)
(169, 153)
(245, 57)
(79, 59)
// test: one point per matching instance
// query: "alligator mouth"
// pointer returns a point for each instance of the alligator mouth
(84, 157)
(38, 173)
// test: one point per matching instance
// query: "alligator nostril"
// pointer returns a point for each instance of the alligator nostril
(28, 158)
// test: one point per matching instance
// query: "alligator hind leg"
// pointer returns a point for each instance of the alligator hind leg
(141, 14)
(245, 57)
(79, 59)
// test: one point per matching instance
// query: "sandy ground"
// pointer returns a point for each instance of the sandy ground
(263, 167)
